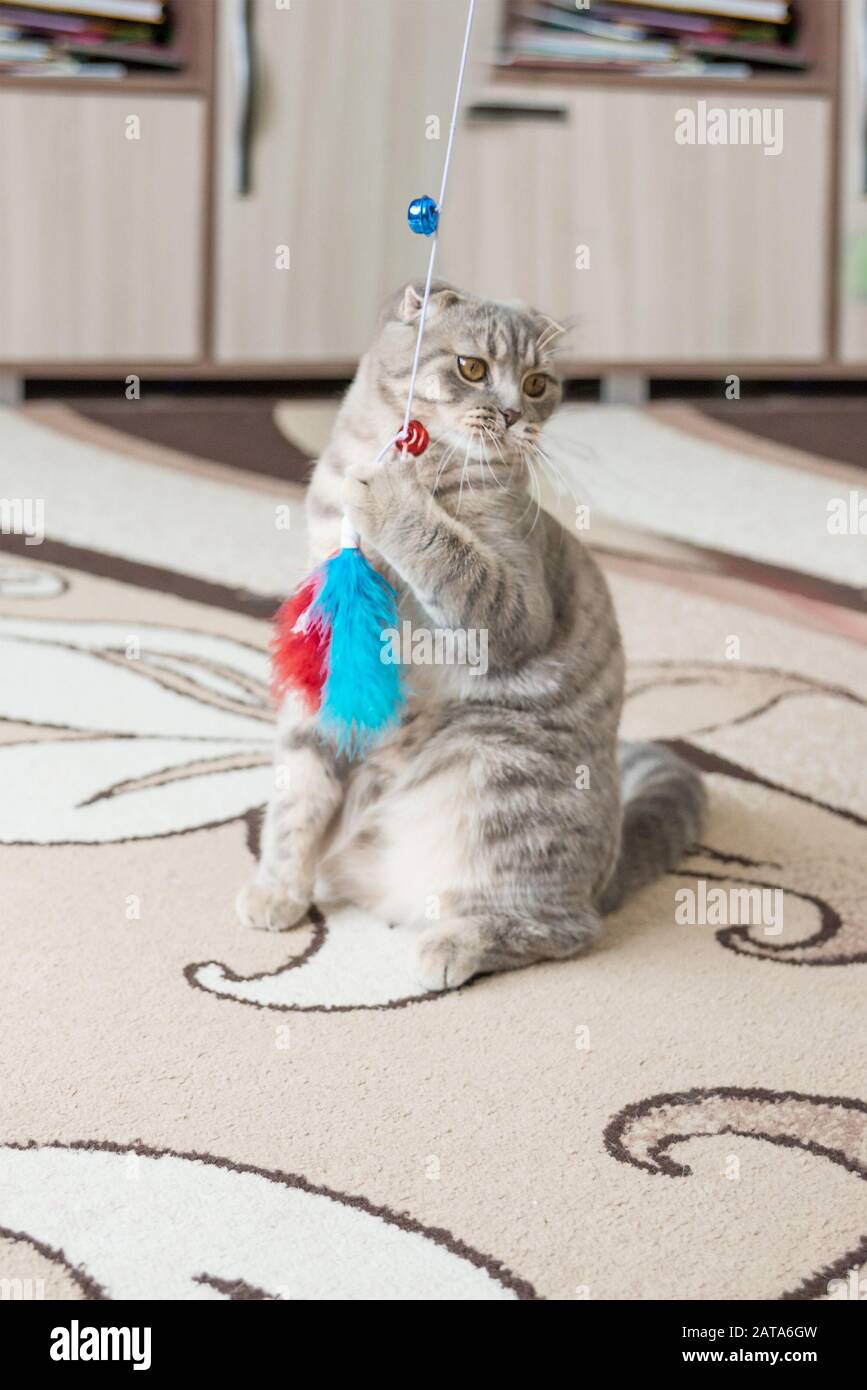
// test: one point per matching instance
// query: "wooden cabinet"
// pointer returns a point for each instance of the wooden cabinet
(693, 252)
(696, 253)
(237, 237)
(101, 235)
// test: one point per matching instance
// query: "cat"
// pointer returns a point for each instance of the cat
(472, 819)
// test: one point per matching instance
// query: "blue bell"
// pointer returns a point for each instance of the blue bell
(423, 215)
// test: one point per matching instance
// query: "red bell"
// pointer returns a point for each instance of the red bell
(416, 439)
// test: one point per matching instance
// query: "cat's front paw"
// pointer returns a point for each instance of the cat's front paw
(360, 500)
(373, 493)
(269, 907)
(448, 957)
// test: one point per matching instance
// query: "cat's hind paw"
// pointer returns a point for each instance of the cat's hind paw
(448, 957)
(270, 907)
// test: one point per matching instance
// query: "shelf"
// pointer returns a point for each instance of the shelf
(192, 42)
(818, 41)
(175, 85)
(514, 75)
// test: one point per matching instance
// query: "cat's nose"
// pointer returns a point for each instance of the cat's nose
(510, 416)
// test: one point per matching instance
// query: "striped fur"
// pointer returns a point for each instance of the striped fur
(664, 806)
(491, 818)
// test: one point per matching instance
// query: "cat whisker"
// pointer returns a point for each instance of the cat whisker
(463, 475)
(538, 496)
(486, 467)
(472, 445)
(558, 479)
(577, 488)
(589, 456)
(534, 491)
(493, 438)
(443, 464)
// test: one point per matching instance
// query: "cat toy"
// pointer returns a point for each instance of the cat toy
(327, 640)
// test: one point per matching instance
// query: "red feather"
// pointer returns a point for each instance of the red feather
(299, 657)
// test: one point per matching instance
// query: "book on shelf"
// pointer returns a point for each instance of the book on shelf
(103, 39)
(135, 54)
(145, 11)
(683, 22)
(589, 48)
(690, 38)
(15, 50)
(69, 67)
(40, 21)
(755, 54)
(770, 11)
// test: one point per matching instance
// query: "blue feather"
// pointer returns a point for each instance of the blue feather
(363, 695)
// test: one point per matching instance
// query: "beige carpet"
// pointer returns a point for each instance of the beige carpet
(193, 1111)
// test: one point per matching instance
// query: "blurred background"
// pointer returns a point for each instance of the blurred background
(205, 192)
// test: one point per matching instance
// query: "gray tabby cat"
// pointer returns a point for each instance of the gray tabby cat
(466, 821)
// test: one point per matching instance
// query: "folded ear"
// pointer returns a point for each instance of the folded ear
(442, 296)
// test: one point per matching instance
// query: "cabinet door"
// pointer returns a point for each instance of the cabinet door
(351, 108)
(853, 185)
(696, 252)
(101, 236)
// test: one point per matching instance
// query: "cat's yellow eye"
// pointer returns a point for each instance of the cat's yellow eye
(472, 368)
(535, 385)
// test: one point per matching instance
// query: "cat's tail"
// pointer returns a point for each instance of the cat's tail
(664, 805)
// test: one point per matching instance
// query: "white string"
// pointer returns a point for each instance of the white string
(441, 200)
(348, 534)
